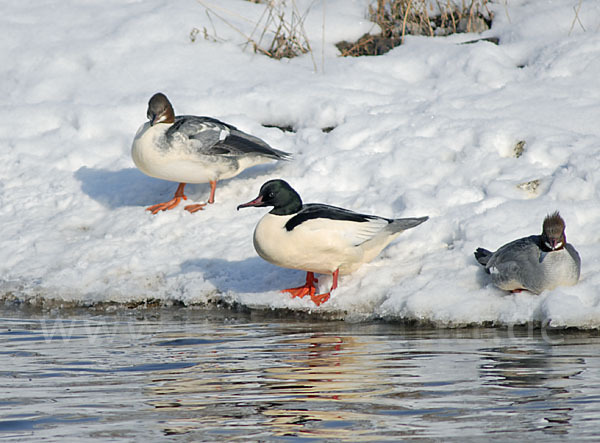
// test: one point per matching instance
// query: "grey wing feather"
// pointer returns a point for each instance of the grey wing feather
(203, 132)
(366, 231)
(519, 250)
(213, 137)
(239, 143)
(510, 271)
(378, 224)
(516, 261)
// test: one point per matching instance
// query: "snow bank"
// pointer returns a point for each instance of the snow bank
(430, 128)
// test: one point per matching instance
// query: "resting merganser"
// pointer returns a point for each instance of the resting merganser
(534, 263)
(318, 238)
(191, 149)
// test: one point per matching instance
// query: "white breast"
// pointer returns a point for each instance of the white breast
(154, 157)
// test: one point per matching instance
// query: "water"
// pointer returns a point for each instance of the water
(193, 375)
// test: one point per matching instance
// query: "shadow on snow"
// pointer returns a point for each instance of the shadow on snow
(251, 275)
(126, 187)
(130, 187)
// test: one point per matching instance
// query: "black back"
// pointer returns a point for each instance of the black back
(312, 211)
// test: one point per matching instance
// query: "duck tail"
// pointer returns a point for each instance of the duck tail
(402, 224)
(247, 143)
(482, 256)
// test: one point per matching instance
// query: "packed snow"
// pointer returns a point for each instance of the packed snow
(430, 128)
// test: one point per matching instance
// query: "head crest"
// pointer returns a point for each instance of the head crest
(553, 225)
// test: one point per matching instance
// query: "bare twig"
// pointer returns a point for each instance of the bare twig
(258, 22)
(289, 37)
(454, 27)
(303, 31)
(404, 20)
(576, 18)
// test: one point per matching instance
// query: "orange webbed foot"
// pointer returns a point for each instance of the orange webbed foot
(301, 291)
(307, 289)
(200, 206)
(179, 195)
(195, 208)
(166, 205)
(320, 298)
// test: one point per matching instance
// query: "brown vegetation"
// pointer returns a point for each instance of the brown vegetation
(397, 18)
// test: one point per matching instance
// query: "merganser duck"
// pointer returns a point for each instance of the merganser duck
(191, 149)
(535, 263)
(318, 238)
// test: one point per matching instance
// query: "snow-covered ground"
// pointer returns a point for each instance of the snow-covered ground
(426, 129)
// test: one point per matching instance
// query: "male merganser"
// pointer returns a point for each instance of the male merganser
(534, 263)
(191, 149)
(319, 238)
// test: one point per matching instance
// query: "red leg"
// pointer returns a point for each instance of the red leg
(309, 288)
(179, 195)
(211, 199)
(213, 187)
(322, 298)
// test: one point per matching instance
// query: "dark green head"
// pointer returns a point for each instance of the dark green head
(160, 109)
(280, 195)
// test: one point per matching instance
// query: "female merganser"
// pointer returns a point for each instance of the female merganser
(534, 263)
(191, 149)
(319, 238)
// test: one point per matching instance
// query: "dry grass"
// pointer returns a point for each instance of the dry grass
(279, 33)
(283, 34)
(398, 18)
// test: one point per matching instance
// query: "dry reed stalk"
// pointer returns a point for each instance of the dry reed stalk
(289, 37)
(398, 18)
(576, 18)
(404, 20)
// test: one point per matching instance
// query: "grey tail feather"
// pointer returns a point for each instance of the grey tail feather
(244, 141)
(402, 224)
(483, 256)
(282, 155)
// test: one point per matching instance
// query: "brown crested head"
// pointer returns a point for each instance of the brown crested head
(553, 232)
(160, 109)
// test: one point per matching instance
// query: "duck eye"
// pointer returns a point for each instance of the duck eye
(271, 195)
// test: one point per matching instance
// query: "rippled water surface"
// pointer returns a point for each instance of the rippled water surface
(204, 376)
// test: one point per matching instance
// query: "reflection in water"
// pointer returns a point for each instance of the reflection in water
(364, 387)
(305, 377)
(238, 379)
(539, 378)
